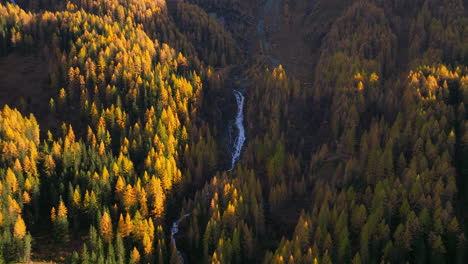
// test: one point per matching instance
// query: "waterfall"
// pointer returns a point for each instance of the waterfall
(239, 137)
(174, 231)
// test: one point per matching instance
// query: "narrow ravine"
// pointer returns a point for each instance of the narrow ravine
(262, 32)
(174, 231)
(237, 130)
(237, 136)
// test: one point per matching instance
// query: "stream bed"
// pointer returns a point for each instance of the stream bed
(237, 130)
(174, 231)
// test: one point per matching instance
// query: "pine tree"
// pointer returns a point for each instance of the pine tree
(120, 250)
(27, 248)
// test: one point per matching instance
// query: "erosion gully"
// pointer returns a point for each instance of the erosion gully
(236, 129)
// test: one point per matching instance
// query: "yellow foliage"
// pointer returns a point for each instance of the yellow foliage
(86, 201)
(76, 198)
(29, 166)
(140, 226)
(27, 184)
(431, 82)
(129, 197)
(119, 186)
(20, 227)
(214, 259)
(102, 148)
(62, 95)
(135, 257)
(13, 206)
(128, 224)
(69, 139)
(374, 78)
(62, 210)
(56, 149)
(360, 86)
(158, 196)
(10, 150)
(105, 175)
(106, 227)
(20, 135)
(17, 167)
(358, 77)
(142, 201)
(121, 227)
(147, 244)
(11, 180)
(89, 199)
(53, 214)
(26, 197)
(150, 229)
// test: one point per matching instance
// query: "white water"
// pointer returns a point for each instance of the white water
(239, 132)
(239, 138)
(174, 231)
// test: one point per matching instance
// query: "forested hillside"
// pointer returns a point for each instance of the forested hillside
(117, 122)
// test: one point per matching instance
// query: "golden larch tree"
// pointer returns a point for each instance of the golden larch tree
(62, 210)
(135, 257)
(106, 227)
(121, 227)
(53, 214)
(20, 227)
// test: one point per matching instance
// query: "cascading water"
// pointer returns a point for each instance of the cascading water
(237, 129)
(239, 133)
(174, 231)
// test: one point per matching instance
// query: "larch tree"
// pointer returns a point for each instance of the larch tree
(19, 230)
(106, 227)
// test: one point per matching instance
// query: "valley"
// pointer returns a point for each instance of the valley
(227, 131)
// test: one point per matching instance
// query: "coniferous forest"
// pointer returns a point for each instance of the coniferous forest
(233, 131)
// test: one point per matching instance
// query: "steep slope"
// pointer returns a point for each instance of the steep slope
(354, 150)
(129, 106)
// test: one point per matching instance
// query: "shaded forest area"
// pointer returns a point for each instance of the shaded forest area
(115, 112)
